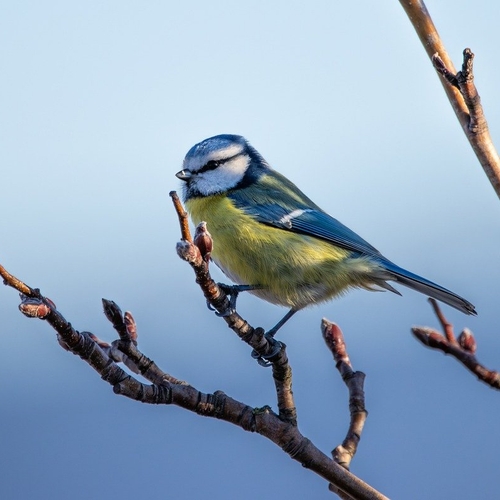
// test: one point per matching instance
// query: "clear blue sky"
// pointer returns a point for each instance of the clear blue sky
(99, 103)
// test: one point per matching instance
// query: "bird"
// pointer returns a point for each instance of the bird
(271, 239)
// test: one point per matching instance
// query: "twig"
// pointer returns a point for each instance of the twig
(125, 349)
(282, 376)
(464, 82)
(12, 281)
(167, 390)
(459, 88)
(462, 348)
(344, 453)
(445, 324)
(183, 217)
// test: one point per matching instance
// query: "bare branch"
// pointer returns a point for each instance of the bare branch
(464, 82)
(12, 281)
(459, 88)
(183, 217)
(165, 389)
(445, 324)
(463, 348)
(282, 376)
(344, 453)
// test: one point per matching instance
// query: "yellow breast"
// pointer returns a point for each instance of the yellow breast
(293, 270)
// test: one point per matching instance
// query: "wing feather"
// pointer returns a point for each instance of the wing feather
(277, 202)
(295, 212)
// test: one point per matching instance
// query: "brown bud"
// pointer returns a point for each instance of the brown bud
(112, 311)
(188, 251)
(334, 338)
(203, 240)
(34, 308)
(467, 341)
(130, 325)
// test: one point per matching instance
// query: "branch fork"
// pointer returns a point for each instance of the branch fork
(462, 348)
(464, 81)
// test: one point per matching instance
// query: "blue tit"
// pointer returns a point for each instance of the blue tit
(270, 235)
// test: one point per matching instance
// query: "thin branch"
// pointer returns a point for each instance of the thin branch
(183, 217)
(462, 348)
(282, 376)
(464, 82)
(125, 349)
(459, 88)
(165, 391)
(445, 324)
(12, 281)
(344, 453)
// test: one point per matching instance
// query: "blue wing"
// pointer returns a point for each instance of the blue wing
(276, 202)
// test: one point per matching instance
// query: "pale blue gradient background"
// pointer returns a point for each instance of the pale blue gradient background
(99, 102)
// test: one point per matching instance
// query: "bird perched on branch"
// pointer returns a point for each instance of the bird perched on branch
(272, 239)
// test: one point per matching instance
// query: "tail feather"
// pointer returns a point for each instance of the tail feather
(429, 288)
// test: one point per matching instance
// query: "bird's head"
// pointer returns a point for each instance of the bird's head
(219, 164)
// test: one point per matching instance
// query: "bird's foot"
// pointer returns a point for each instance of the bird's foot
(276, 346)
(232, 291)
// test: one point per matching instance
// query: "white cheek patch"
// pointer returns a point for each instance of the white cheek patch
(224, 177)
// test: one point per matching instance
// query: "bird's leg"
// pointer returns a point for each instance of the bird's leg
(272, 332)
(232, 291)
(276, 344)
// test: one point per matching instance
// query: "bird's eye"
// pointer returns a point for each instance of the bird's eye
(213, 164)
(210, 165)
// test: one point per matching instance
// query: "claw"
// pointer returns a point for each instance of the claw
(264, 360)
(226, 313)
(230, 310)
(232, 291)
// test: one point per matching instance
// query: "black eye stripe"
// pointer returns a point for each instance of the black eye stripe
(213, 164)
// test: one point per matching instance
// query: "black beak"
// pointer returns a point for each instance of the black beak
(184, 175)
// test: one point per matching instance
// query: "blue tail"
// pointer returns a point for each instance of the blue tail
(429, 288)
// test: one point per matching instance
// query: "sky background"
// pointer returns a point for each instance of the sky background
(100, 101)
